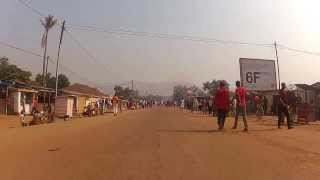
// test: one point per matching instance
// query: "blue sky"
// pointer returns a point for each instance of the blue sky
(123, 57)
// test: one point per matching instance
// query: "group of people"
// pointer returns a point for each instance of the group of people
(221, 103)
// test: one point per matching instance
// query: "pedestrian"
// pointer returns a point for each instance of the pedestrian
(115, 103)
(283, 107)
(182, 104)
(210, 106)
(259, 107)
(234, 106)
(22, 118)
(265, 104)
(195, 104)
(222, 104)
(241, 106)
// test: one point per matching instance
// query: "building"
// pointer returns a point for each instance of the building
(80, 96)
(16, 96)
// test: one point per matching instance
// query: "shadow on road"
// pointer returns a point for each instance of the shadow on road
(187, 131)
(263, 130)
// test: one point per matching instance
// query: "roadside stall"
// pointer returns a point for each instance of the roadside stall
(302, 101)
(65, 106)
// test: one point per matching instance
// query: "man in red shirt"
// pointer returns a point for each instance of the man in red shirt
(240, 106)
(283, 107)
(222, 104)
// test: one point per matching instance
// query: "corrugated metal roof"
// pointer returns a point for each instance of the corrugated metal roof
(84, 90)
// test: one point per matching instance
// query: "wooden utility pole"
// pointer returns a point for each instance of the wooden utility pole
(132, 84)
(44, 63)
(57, 67)
(278, 68)
(46, 73)
(7, 99)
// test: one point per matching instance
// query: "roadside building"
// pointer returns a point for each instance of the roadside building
(16, 96)
(65, 106)
(81, 96)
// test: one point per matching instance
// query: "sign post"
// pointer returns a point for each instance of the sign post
(258, 74)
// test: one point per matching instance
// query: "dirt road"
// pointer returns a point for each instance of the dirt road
(158, 144)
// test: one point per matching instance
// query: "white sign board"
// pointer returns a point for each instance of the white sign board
(258, 74)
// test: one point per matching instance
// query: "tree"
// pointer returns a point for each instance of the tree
(211, 87)
(48, 23)
(179, 92)
(196, 91)
(152, 97)
(12, 72)
(118, 90)
(126, 93)
(63, 81)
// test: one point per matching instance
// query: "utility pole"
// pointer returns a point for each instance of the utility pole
(46, 73)
(44, 66)
(132, 84)
(7, 99)
(278, 68)
(57, 67)
(45, 80)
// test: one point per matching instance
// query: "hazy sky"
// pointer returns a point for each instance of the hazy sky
(294, 23)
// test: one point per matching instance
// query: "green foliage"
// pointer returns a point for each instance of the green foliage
(63, 81)
(180, 92)
(126, 93)
(48, 23)
(211, 87)
(12, 72)
(51, 81)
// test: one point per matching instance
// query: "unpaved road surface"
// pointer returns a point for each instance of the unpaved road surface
(156, 144)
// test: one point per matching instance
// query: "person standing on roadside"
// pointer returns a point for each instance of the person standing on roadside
(210, 106)
(222, 104)
(283, 107)
(115, 103)
(241, 106)
(182, 104)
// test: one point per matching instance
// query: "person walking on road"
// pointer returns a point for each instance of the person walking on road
(283, 107)
(115, 103)
(222, 104)
(241, 106)
(182, 104)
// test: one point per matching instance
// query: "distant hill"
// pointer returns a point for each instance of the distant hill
(155, 88)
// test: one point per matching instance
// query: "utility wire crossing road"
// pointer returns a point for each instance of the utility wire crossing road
(159, 143)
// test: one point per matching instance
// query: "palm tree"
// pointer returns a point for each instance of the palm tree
(48, 23)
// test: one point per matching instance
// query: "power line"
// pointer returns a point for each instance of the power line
(85, 50)
(42, 15)
(20, 49)
(38, 55)
(31, 8)
(149, 34)
(71, 36)
(299, 50)
(162, 35)
(36, 11)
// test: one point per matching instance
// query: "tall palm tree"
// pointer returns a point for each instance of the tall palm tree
(48, 23)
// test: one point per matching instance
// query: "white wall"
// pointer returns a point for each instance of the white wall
(16, 102)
